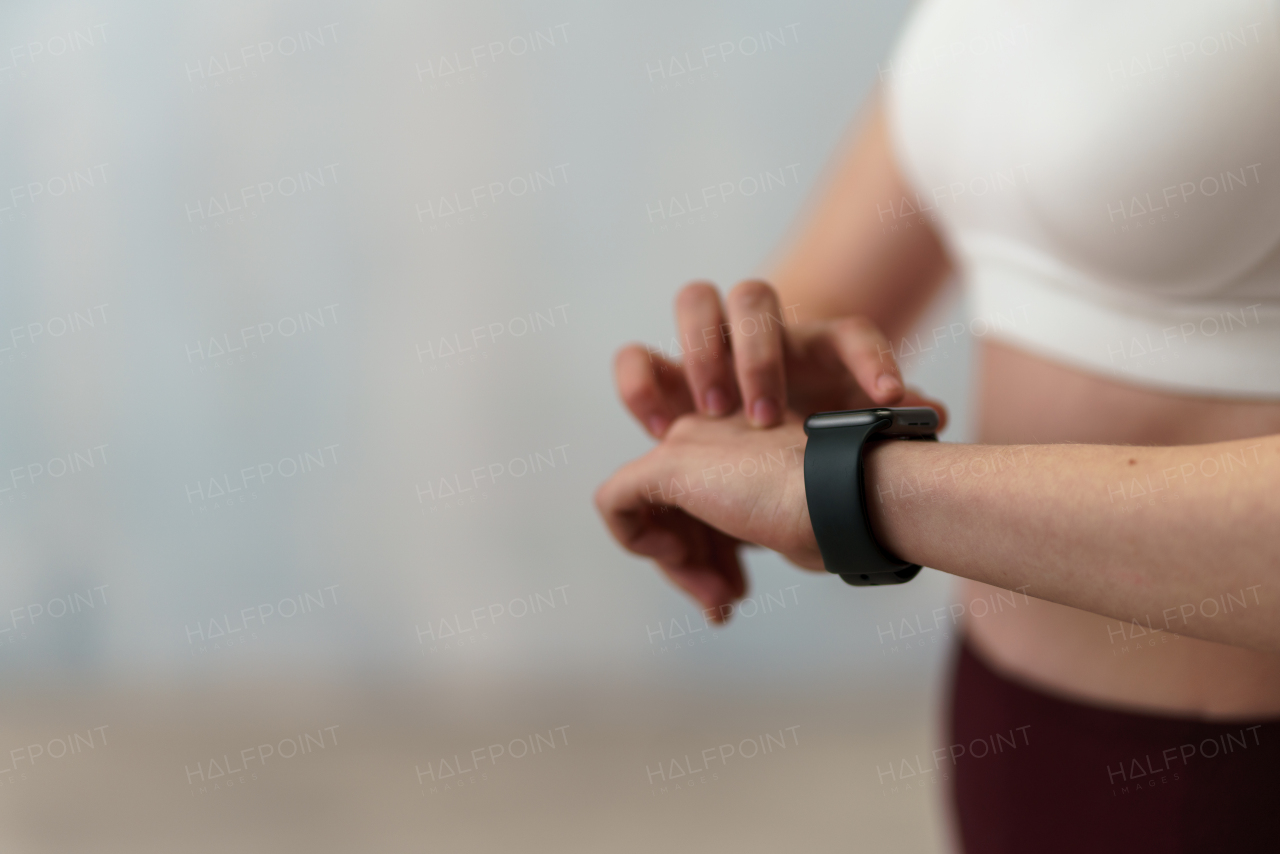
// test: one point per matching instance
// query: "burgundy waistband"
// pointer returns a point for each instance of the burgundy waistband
(1047, 774)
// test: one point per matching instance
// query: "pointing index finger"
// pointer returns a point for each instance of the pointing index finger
(869, 357)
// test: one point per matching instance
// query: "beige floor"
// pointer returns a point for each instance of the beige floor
(360, 792)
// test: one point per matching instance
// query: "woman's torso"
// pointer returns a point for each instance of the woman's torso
(1106, 176)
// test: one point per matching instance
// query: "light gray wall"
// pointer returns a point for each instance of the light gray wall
(138, 109)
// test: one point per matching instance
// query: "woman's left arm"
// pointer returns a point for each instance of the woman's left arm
(1147, 533)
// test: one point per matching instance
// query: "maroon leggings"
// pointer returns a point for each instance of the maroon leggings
(1035, 773)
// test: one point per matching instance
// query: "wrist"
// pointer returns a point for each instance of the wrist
(889, 490)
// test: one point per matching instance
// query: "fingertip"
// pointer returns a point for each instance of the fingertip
(720, 608)
(718, 598)
(765, 412)
(888, 384)
(888, 390)
(716, 402)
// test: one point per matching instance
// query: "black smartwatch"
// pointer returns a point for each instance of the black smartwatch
(833, 486)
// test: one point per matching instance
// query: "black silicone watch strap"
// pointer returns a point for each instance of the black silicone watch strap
(833, 486)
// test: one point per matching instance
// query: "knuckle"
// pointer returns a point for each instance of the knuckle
(855, 326)
(866, 341)
(762, 355)
(695, 295)
(625, 361)
(703, 369)
(634, 384)
(755, 340)
(751, 293)
(632, 350)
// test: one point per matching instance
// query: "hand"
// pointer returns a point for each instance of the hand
(709, 485)
(762, 359)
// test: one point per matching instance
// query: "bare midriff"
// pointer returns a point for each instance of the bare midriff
(1135, 664)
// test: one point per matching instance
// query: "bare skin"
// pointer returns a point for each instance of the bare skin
(846, 271)
(1024, 399)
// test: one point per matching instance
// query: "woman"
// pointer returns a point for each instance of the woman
(1102, 177)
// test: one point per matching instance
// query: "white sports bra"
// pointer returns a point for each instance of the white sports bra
(1106, 175)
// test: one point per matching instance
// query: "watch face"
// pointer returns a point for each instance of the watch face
(905, 420)
(846, 418)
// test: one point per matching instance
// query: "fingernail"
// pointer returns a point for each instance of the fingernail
(657, 425)
(888, 383)
(717, 401)
(765, 412)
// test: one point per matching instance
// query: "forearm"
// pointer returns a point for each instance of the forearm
(851, 254)
(1128, 532)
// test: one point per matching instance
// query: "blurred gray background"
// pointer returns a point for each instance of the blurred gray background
(275, 279)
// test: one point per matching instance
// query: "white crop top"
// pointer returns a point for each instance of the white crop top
(1106, 175)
